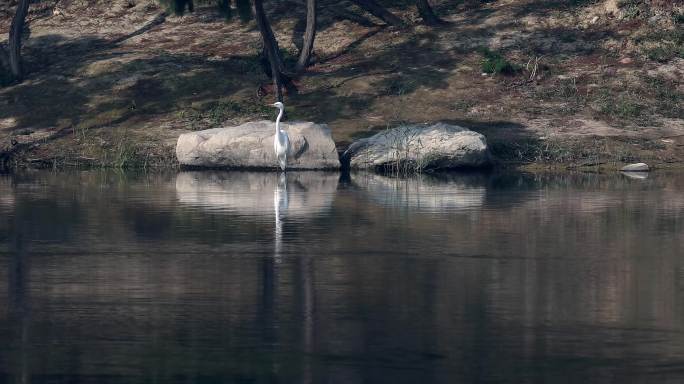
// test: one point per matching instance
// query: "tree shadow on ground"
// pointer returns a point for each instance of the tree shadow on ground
(42, 52)
(396, 70)
(111, 97)
(92, 84)
(112, 82)
(544, 8)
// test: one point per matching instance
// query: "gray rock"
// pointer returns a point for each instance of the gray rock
(250, 145)
(637, 167)
(419, 147)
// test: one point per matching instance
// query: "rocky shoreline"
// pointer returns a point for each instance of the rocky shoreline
(405, 149)
(594, 154)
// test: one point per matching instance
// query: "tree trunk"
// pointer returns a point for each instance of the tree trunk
(270, 36)
(4, 61)
(309, 36)
(426, 13)
(277, 78)
(276, 48)
(270, 46)
(380, 12)
(14, 42)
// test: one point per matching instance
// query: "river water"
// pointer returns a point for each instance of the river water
(218, 277)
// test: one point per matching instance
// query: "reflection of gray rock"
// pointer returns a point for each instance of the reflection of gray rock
(250, 145)
(421, 192)
(252, 193)
(637, 167)
(636, 175)
(435, 146)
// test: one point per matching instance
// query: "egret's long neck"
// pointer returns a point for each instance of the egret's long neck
(280, 114)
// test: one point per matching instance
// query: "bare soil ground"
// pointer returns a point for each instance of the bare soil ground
(582, 83)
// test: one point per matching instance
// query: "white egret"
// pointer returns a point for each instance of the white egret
(281, 142)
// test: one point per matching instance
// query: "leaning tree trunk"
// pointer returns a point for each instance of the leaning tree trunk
(309, 36)
(380, 12)
(14, 43)
(270, 46)
(426, 13)
(271, 37)
(4, 61)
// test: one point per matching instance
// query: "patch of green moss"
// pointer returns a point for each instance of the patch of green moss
(495, 63)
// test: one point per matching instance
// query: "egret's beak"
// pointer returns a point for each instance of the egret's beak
(274, 105)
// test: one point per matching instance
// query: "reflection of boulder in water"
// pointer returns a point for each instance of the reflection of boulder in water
(252, 193)
(422, 192)
(636, 175)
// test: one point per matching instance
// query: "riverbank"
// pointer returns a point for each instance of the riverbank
(589, 85)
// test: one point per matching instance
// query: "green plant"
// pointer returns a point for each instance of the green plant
(566, 88)
(581, 3)
(627, 108)
(216, 112)
(669, 101)
(464, 105)
(397, 86)
(678, 18)
(624, 106)
(124, 152)
(563, 94)
(630, 8)
(665, 52)
(495, 63)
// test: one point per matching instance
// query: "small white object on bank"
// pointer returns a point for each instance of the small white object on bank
(636, 167)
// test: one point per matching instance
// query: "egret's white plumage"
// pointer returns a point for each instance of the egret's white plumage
(281, 142)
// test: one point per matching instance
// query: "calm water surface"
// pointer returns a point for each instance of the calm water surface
(211, 277)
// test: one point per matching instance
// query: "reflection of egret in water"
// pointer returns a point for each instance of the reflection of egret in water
(6, 193)
(296, 197)
(251, 193)
(304, 267)
(280, 204)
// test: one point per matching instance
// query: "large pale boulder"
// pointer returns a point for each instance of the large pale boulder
(419, 147)
(250, 145)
